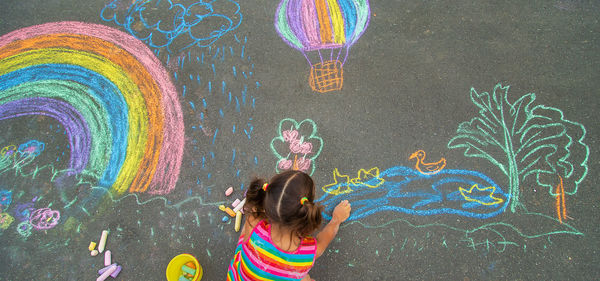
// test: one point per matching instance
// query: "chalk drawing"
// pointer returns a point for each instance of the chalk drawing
(5, 220)
(427, 168)
(109, 92)
(5, 199)
(44, 218)
(522, 140)
(408, 191)
(342, 184)
(175, 26)
(311, 26)
(490, 200)
(297, 145)
(561, 209)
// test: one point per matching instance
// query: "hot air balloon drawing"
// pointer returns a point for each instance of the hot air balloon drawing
(316, 26)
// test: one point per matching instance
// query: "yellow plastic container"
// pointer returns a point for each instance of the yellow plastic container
(174, 267)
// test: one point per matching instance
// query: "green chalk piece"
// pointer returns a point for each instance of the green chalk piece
(188, 270)
(182, 278)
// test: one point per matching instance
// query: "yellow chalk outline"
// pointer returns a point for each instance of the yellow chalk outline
(493, 188)
(362, 173)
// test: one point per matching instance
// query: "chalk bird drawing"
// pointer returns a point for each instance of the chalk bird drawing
(427, 168)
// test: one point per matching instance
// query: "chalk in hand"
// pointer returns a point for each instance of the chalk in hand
(107, 273)
(102, 241)
(238, 221)
(229, 191)
(92, 245)
(107, 258)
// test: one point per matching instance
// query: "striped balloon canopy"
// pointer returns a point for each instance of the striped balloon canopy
(309, 25)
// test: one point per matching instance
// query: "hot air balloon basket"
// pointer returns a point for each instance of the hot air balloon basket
(326, 76)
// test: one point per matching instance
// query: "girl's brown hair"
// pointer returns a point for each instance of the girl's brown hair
(281, 202)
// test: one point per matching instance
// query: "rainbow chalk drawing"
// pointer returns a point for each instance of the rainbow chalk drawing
(116, 102)
(314, 25)
(174, 26)
(297, 145)
(522, 140)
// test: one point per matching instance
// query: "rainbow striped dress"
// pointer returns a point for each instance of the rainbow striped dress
(259, 259)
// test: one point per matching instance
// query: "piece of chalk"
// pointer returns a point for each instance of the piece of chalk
(107, 273)
(190, 264)
(229, 191)
(240, 205)
(116, 272)
(94, 253)
(182, 278)
(230, 212)
(225, 219)
(188, 270)
(238, 220)
(104, 269)
(234, 204)
(102, 242)
(92, 245)
(222, 208)
(107, 258)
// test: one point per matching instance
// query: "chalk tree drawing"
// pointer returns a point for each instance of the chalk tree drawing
(297, 145)
(108, 91)
(175, 26)
(522, 140)
(314, 25)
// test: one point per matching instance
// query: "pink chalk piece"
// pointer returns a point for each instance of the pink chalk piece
(107, 273)
(229, 191)
(102, 270)
(107, 257)
(116, 272)
(235, 203)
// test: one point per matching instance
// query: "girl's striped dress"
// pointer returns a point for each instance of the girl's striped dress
(260, 259)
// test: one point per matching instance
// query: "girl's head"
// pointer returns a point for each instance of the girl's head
(281, 202)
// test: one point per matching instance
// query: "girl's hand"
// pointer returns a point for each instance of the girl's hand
(341, 212)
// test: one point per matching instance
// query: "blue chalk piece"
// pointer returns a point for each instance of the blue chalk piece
(225, 219)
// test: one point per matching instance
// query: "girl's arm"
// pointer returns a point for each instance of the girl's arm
(340, 214)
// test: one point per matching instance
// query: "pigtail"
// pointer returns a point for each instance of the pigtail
(255, 198)
(312, 218)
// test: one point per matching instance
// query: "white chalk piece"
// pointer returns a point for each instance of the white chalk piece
(238, 220)
(94, 253)
(229, 191)
(102, 242)
(107, 258)
(240, 205)
(102, 270)
(234, 204)
(116, 272)
(107, 273)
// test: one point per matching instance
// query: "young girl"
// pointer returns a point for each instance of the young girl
(275, 242)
